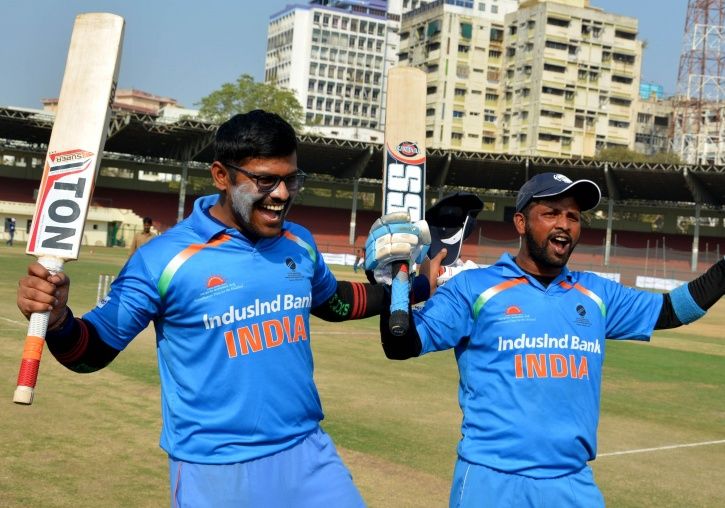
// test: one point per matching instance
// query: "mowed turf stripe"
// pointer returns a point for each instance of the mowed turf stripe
(661, 448)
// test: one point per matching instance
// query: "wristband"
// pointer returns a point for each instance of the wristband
(61, 326)
(685, 307)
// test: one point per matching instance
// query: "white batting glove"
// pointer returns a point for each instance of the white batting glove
(393, 237)
(445, 273)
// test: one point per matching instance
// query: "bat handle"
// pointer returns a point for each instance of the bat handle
(399, 300)
(34, 341)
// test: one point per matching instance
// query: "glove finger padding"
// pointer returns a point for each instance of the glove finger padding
(446, 273)
(424, 240)
(394, 238)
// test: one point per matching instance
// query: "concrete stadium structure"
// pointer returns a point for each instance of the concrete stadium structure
(156, 166)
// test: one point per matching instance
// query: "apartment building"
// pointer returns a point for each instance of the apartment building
(571, 73)
(652, 124)
(459, 44)
(334, 56)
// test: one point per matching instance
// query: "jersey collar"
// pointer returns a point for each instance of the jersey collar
(201, 220)
(207, 227)
(511, 270)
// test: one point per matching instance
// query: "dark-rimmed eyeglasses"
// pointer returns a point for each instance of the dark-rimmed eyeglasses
(267, 183)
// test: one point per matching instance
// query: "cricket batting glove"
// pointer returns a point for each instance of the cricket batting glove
(393, 237)
(445, 273)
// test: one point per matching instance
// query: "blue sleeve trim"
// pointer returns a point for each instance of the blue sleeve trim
(684, 305)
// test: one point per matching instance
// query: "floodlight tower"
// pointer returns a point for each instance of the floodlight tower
(698, 135)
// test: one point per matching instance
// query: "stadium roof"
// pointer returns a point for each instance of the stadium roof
(160, 140)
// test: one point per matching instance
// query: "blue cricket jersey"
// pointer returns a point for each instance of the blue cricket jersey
(232, 332)
(530, 360)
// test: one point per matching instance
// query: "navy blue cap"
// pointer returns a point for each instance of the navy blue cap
(550, 185)
(451, 221)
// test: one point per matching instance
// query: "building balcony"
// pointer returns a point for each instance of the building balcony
(622, 88)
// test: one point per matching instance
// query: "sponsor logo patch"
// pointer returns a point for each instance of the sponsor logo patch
(214, 281)
(408, 149)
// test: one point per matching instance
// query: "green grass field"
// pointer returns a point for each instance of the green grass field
(92, 440)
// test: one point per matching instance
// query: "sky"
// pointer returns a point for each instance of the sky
(186, 49)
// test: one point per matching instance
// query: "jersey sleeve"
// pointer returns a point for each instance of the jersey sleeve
(132, 303)
(631, 313)
(446, 318)
(324, 282)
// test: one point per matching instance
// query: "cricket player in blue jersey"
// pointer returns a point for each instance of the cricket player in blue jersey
(529, 336)
(230, 291)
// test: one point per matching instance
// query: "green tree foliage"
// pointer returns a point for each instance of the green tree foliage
(245, 95)
(621, 154)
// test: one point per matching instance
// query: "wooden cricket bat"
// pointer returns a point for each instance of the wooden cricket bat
(71, 165)
(404, 169)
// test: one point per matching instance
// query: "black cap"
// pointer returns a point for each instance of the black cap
(451, 221)
(550, 185)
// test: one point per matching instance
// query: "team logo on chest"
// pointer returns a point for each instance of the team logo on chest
(581, 318)
(293, 272)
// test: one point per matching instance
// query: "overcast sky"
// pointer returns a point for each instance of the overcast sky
(185, 49)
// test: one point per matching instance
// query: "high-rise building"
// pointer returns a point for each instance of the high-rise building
(334, 55)
(570, 75)
(459, 44)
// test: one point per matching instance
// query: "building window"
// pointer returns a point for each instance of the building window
(466, 30)
(662, 121)
(619, 124)
(549, 67)
(434, 28)
(556, 45)
(621, 34)
(621, 79)
(557, 21)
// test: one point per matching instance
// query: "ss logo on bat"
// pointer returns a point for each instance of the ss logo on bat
(404, 190)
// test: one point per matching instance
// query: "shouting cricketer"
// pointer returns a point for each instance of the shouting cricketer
(529, 337)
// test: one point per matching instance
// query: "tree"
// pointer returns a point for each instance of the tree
(622, 154)
(245, 95)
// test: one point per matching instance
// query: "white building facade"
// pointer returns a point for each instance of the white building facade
(334, 56)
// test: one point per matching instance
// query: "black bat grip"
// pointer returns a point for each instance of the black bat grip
(399, 300)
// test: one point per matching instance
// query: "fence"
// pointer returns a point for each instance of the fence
(655, 262)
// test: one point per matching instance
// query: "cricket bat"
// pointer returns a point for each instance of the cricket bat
(71, 165)
(404, 170)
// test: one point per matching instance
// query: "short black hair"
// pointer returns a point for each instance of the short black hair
(257, 133)
(148, 220)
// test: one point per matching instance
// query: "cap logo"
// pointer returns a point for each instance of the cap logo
(561, 178)
(453, 239)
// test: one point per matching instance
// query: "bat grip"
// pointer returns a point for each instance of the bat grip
(399, 300)
(34, 342)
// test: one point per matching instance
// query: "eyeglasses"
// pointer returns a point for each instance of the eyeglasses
(267, 183)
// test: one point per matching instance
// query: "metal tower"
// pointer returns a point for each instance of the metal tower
(698, 135)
